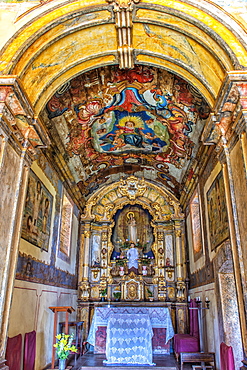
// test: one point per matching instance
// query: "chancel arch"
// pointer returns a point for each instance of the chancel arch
(128, 108)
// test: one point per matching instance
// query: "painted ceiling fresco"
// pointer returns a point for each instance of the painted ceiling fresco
(144, 121)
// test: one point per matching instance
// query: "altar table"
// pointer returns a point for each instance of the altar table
(129, 340)
(159, 317)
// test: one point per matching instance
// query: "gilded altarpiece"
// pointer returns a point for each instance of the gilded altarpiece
(132, 247)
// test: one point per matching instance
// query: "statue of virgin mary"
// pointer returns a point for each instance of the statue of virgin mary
(132, 228)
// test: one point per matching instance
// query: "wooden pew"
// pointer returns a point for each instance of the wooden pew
(197, 357)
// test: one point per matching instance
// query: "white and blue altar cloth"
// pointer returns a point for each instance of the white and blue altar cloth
(159, 317)
(129, 340)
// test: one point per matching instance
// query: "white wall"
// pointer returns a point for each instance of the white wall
(30, 311)
(209, 319)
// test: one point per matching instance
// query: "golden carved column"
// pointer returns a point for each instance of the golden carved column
(86, 254)
(180, 284)
(161, 264)
(178, 248)
(104, 259)
(84, 262)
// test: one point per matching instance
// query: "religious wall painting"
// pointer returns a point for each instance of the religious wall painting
(217, 212)
(36, 224)
(66, 225)
(146, 115)
(196, 225)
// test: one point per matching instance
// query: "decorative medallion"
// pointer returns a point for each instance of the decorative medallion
(132, 187)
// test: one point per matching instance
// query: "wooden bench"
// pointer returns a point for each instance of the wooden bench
(204, 357)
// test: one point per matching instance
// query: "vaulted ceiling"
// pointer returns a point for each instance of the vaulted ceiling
(124, 87)
(144, 121)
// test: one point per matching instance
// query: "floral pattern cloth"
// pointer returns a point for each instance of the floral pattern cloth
(129, 340)
(159, 316)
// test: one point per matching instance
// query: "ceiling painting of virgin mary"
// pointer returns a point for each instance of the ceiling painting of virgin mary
(115, 121)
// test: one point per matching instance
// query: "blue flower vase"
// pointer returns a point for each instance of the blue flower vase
(62, 364)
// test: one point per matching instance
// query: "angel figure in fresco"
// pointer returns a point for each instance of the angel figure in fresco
(132, 227)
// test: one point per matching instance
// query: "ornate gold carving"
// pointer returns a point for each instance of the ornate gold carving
(169, 272)
(132, 187)
(178, 233)
(88, 210)
(132, 291)
(87, 234)
(171, 292)
(104, 236)
(157, 208)
(84, 290)
(112, 195)
(95, 272)
(94, 293)
(133, 287)
(180, 286)
(160, 236)
(162, 289)
(177, 208)
(108, 208)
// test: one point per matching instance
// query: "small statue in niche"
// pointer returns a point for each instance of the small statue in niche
(168, 262)
(132, 227)
(132, 256)
(95, 250)
(96, 263)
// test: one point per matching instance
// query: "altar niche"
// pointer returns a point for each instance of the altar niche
(132, 241)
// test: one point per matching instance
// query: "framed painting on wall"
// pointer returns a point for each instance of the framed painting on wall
(36, 223)
(66, 225)
(196, 225)
(217, 212)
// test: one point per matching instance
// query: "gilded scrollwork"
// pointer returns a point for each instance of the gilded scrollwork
(160, 203)
(180, 288)
(87, 234)
(132, 187)
(178, 233)
(160, 236)
(88, 210)
(107, 212)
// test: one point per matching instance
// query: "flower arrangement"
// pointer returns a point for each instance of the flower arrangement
(121, 262)
(117, 295)
(64, 345)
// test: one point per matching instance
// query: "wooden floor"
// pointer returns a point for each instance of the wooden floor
(90, 360)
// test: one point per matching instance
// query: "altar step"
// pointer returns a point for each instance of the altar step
(90, 361)
(128, 367)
